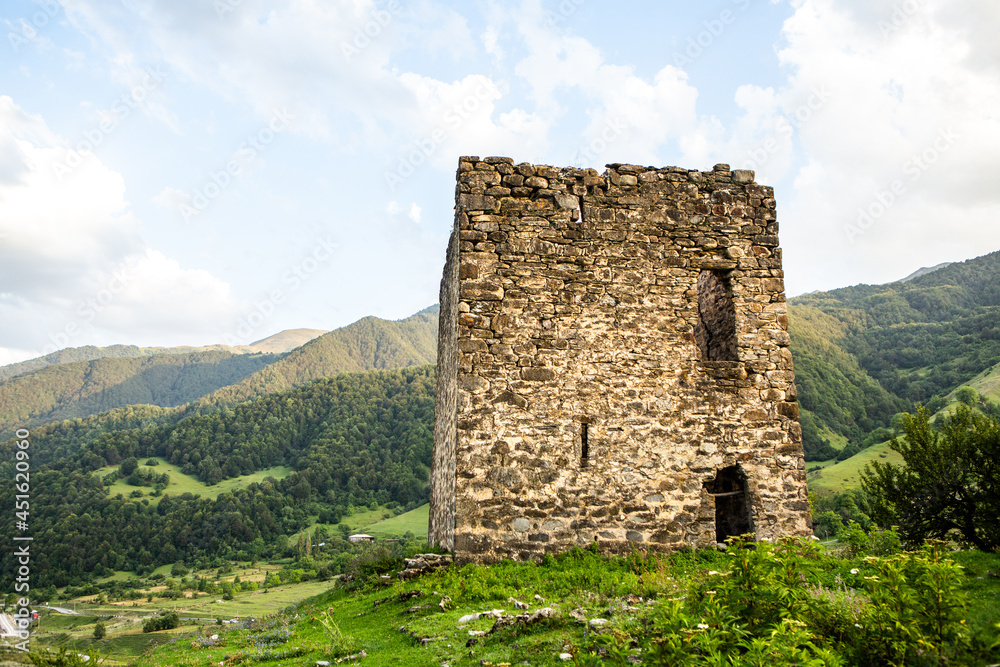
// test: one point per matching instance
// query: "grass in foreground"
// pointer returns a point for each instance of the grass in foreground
(786, 603)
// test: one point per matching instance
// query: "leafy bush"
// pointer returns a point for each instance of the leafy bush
(874, 543)
(770, 605)
(165, 621)
(374, 560)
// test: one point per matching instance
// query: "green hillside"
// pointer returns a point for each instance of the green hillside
(78, 382)
(284, 341)
(370, 343)
(865, 352)
(68, 356)
(847, 474)
(81, 388)
(181, 482)
(265, 469)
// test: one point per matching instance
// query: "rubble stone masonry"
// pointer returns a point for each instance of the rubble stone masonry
(613, 363)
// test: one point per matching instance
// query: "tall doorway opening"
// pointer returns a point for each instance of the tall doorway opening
(732, 503)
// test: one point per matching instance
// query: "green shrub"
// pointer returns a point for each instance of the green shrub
(165, 621)
(874, 543)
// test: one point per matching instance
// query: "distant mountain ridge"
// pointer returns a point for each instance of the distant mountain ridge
(865, 352)
(924, 271)
(283, 341)
(81, 388)
(65, 387)
(370, 343)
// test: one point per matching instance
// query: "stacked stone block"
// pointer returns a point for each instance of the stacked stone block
(613, 362)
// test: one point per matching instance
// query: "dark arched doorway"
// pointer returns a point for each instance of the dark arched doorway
(732, 503)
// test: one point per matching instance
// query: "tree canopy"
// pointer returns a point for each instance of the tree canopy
(949, 481)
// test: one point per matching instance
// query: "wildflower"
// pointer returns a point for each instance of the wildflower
(711, 572)
(702, 626)
(857, 625)
(855, 570)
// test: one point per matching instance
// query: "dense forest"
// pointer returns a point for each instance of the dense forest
(864, 353)
(351, 440)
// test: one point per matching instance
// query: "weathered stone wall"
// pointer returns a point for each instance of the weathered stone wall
(441, 527)
(585, 408)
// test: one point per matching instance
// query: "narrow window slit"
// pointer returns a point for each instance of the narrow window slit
(584, 446)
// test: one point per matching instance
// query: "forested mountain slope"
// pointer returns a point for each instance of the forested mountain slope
(351, 440)
(125, 375)
(370, 343)
(863, 353)
(81, 388)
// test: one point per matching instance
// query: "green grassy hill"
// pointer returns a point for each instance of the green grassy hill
(78, 382)
(842, 475)
(181, 483)
(986, 383)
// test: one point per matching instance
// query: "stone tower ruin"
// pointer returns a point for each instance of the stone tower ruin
(613, 363)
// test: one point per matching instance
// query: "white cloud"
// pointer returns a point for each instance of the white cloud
(75, 268)
(908, 128)
(415, 213)
(172, 199)
(631, 119)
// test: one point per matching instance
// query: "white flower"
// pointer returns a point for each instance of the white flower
(855, 570)
(857, 625)
(702, 626)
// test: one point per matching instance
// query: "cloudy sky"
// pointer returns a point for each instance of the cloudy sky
(202, 171)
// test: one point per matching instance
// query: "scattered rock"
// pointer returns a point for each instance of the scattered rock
(522, 619)
(423, 563)
(468, 618)
(565, 656)
(414, 609)
(402, 597)
(598, 622)
(517, 603)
